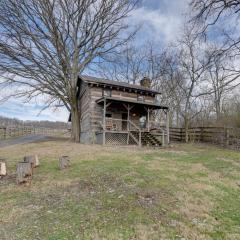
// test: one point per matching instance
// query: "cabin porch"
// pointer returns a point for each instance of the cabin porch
(127, 122)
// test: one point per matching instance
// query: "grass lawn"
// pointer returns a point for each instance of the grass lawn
(184, 192)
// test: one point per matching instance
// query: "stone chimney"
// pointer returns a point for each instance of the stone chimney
(146, 82)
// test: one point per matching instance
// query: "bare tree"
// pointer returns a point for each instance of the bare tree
(45, 45)
(209, 12)
(220, 18)
(125, 64)
(221, 80)
(231, 110)
(132, 62)
(193, 63)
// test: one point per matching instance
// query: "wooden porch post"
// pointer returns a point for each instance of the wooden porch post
(163, 140)
(148, 117)
(167, 125)
(128, 118)
(104, 121)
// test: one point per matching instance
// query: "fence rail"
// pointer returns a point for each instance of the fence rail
(228, 137)
(12, 132)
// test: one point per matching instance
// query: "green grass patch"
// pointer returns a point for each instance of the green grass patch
(186, 192)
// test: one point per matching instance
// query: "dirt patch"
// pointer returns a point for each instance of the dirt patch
(234, 162)
(154, 232)
(195, 208)
(6, 180)
(190, 232)
(200, 186)
(197, 168)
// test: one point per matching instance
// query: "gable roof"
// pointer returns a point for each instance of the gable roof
(103, 81)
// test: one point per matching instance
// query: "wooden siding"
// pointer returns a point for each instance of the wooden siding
(131, 96)
(91, 112)
(95, 109)
(84, 104)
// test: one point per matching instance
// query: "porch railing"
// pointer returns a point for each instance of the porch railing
(123, 125)
(153, 125)
(135, 132)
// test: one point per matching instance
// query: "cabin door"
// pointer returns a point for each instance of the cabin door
(124, 121)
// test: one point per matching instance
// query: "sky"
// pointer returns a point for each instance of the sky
(160, 21)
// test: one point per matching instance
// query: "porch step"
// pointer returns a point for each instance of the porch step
(149, 140)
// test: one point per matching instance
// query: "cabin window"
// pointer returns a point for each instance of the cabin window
(107, 92)
(108, 115)
(140, 98)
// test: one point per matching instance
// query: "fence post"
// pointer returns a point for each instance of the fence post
(226, 136)
(167, 118)
(5, 133)
(201, 134)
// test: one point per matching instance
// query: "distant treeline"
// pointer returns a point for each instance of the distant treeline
(5, 121)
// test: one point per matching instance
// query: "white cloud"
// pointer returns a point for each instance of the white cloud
(15, 108)
(162, 23)
(19, 108)
(155, 24)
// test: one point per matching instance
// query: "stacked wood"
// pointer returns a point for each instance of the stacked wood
(33, 160)
(64, 162)
(3, 168)
(24, 172)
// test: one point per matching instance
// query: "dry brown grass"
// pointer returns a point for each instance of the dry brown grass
(183, 192)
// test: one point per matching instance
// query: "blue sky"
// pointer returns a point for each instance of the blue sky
(161, 22)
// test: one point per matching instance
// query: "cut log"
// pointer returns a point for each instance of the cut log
(64, 162)
(33, 159)
(3, 168)
(24, 172)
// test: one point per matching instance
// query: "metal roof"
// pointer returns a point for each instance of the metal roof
(90, 79)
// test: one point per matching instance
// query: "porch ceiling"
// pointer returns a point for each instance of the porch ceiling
(132, 102)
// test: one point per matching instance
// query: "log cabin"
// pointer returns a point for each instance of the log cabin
(118, 113)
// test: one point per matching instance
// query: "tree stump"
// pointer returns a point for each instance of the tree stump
(33, 160)
(24, 172)
(3, 168)
(64, 162)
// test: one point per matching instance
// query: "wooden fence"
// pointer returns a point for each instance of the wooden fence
(228, 137)
(12, 132)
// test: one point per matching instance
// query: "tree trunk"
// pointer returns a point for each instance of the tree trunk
(33, 160)
(3, 168)
(24, 172)
(177, 118)
(218, 110)
(186, 128)
(75, 124)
